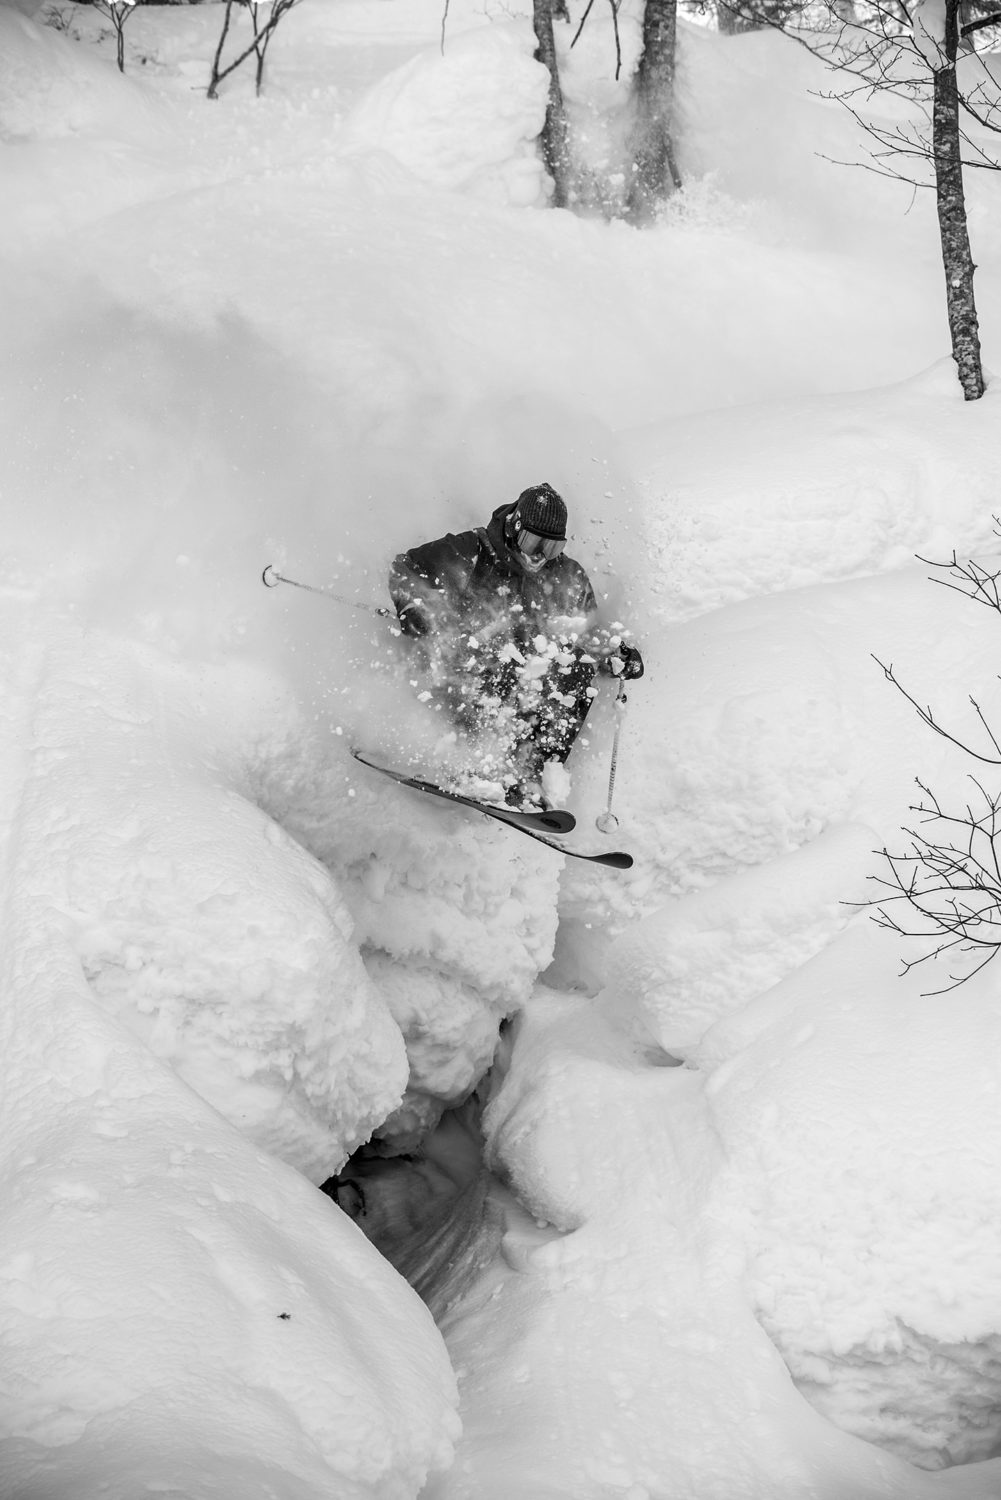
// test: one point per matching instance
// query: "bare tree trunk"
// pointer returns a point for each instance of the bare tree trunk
(957, 257)
(554, 137)
(259, 49)
(118, 13)
(259, 44)
(655, 175)
(213, 91)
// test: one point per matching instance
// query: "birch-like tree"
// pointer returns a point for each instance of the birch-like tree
(264, 20)
(914, 55)
(651, 171)
(554, 141)
(936, 35)
(118, 12)
(654, 171)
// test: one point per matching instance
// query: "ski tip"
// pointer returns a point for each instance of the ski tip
(616, 861)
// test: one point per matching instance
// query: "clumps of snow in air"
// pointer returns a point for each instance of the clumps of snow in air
(597, 62)
(701, 206)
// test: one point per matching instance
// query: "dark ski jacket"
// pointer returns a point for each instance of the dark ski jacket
(472, 582)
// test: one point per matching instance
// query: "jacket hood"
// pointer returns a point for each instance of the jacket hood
(495, 531)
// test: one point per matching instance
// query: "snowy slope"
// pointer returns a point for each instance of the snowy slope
(746, 1239)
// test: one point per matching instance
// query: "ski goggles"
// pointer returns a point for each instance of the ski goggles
(531, 544)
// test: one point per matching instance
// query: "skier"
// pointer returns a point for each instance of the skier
(505, 627)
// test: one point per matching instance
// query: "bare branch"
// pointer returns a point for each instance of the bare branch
(946, 885)
(927, 717)
(618, 39)
(576, 36)
(994, 19)
(258, 45)
(974, 582)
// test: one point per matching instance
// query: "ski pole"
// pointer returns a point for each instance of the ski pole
(271, 578)
(607, 820)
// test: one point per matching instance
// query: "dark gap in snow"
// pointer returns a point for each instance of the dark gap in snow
(428, 1212)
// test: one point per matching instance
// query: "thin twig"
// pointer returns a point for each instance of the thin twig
(927, 717)
(580, 28)
(618, 40)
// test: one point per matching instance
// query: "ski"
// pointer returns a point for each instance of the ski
(614, 859)
(531, 824)
(555, 821)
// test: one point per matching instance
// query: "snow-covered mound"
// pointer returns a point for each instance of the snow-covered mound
(179, 1307)
(231, 957)
(438, 116)
(49, 90)
(884, 1305)
(807, 491)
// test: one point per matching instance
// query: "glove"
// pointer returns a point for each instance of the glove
(632, 662)
(413, 620)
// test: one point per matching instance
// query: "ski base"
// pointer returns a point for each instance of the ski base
(552, 821)
(545, 827)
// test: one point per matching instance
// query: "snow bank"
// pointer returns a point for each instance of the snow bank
(215, 1321)
(745, 962)
(197, 923)
(762, 727)
(465, 117)
(77, 140)
(765, 721)
(454, 918)
(179, 1307)
(51, 89)
(880, 1288)
(769, 498)
(647, 1263)
(674, 973)
(875, 1282)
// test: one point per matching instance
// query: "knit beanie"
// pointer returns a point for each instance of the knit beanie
(541, 509)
